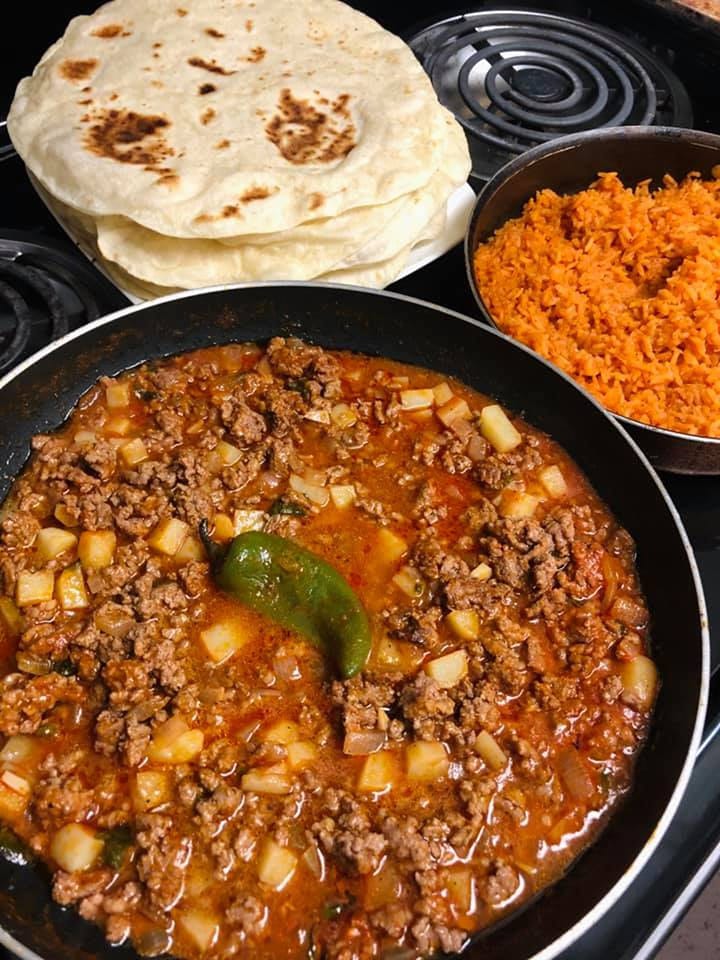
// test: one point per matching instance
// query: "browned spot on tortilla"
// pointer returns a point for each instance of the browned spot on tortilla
(256, 55)
(113, 96)
(212, 65)
(180, 12)
(207, 116)
(230, 211)
(130, 137)
(169, 179)
(248, 25)
(222, 144)
(74, 70)
(316, 200)
(305, 134)
(110, 30)
(157, 45)
(206, 88)
(212, 32)
(85, 103)
(255, 193)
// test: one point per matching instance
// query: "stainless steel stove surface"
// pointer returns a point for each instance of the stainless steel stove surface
(640, 61)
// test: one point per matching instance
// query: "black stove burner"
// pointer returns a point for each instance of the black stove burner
(517, 79)
(44, 292)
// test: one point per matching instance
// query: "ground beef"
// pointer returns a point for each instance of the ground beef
(163, 859)
(26, 701)
(423, 704)
(347, 836)
(248, 914)
(361, 701)
(415, 626)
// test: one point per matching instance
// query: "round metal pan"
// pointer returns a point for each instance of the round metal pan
(570, 164)
(40, 393)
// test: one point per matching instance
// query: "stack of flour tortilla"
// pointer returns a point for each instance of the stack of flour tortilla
(212, 141)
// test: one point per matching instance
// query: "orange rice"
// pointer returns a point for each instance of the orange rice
(621, 289)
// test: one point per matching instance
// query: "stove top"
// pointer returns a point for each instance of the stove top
(638, 56)
(515, 79)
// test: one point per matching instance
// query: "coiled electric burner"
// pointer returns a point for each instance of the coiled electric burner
(518, 78)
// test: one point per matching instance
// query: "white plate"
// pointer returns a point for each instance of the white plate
(459, 209)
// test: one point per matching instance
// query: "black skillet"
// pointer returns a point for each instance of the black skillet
(40, 393)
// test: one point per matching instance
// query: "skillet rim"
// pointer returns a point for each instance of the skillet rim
(608, 899)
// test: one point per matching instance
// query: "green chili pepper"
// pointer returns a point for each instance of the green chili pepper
(65, 667)
(288, 507)
(117, 843)
(295, 588)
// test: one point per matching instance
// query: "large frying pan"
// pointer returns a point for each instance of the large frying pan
(38, 395)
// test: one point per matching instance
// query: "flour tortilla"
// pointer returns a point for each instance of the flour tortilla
(170, 261)
(209, 99)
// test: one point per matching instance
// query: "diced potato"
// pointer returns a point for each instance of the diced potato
(409, 581)
(517, 505)
(426, 760)
(13, 803)
(377, 774)
(75, 847)
(168, 536)
(151, 789)
(10, 616)
(118, 426)
(460, 886)
(449, 669)
(481, 572)
(20, 751)
(223, 527)
(442, 394)
(639, 679)
(554, 482)
(464, 624)
(227, 453)
(191, 549)
(84, 438)
(421, 416)
(416, 399)
(490, 750)
(222, 640)
(343, 494)
(62, 514)
(498, 430)
(382, 888)
(301, 753)
(34, 587)
(246, 520)
(70, 589)
(312, 491)
(13, 781)
(96, 548)
(276, 864)
(343, 416)
(397, 654)
(175, 742)
(266, 780)
(133, 452)
(390, 546)
(284, 731)
(52, 541)
(117, 395)
(201, 926)
(455, 409)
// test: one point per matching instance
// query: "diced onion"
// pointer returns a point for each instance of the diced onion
(361, 743)
(312, 491)
(574, 775)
